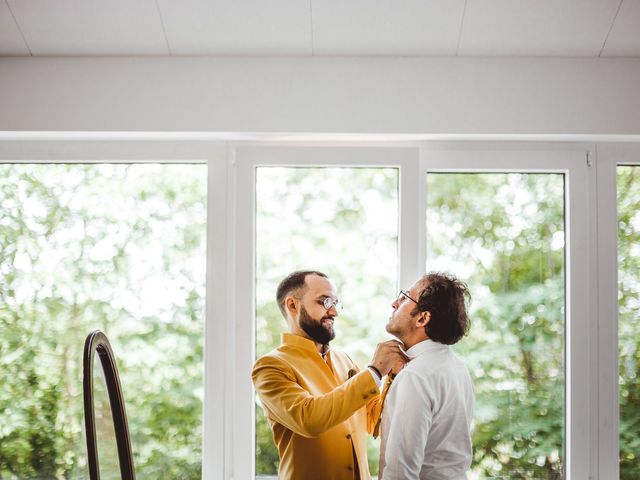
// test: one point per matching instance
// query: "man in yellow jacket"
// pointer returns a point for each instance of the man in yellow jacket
(318, 403)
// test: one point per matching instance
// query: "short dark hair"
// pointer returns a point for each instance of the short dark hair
(445, 298)
(292, 282)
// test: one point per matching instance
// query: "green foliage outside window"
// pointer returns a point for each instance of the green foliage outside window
(504, 235)
(115, 247)
(629, 318)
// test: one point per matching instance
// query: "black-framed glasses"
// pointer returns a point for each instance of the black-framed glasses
(406, 295)
(329, 302)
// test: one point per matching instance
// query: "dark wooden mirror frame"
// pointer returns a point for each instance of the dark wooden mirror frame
(97, 342)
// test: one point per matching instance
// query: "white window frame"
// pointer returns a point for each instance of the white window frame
(609, 157)
(119, 149)
(592, 436)
(247, 160)
(572, 161)
(580, 391)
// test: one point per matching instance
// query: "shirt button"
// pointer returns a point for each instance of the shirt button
(349, 468)
(374, 391)
(348, 436)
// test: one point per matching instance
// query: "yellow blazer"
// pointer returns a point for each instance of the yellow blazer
(318, 416)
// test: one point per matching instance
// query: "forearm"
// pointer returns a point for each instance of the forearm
(308, 415)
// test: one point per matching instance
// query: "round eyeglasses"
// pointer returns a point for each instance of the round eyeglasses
(329, 302)
(402, 295)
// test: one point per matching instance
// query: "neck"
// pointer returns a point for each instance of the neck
(410, 342)
(319, 346)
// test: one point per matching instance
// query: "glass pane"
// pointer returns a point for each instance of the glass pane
(120, 248)
(307, 218)
(629, 319)
(503, 233)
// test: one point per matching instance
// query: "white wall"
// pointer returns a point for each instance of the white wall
(432, 96)
(589, 100)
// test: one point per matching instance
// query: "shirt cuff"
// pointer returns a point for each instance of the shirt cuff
(375, 376)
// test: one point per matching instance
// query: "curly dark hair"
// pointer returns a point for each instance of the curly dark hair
(445, 298)
(294, 282)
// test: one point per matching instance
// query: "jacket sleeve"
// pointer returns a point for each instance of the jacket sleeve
(374, 409)
(374, 406)
(305, 414)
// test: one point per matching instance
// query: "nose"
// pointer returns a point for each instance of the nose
(333, 311)
(394, 304)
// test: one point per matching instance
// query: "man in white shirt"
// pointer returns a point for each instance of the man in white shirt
(426, 417)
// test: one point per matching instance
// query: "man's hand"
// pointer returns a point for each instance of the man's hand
(398, 365)
(389, 357)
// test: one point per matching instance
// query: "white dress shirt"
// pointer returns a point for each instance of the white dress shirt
(426, 419)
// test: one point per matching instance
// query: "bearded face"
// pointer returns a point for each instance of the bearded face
(321, 330)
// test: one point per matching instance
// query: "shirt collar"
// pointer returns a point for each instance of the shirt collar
(303, 343)
(424, 346)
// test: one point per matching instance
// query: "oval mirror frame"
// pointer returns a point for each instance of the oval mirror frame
(97, 342)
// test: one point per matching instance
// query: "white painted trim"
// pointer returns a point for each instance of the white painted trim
(503, 158)
(216, 318)
(242, 408)
(608, 396)
(230, 321)
(592, 301)
(572, 163)
(580, 326)
(110, 151)
(308, 138)
(343, 156)
(410, 217)
(621, 154)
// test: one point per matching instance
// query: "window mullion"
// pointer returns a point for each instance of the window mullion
(242, 276)
(412, 216)
(218, 310)
(579, 376)
(607, 294)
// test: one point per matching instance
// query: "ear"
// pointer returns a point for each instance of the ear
(291, 306)
(423, 319)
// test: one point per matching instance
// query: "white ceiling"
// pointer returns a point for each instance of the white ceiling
(565, 28)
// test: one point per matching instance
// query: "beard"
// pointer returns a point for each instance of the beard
(315, 329)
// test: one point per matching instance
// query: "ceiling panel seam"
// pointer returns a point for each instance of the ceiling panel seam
(164, 30)
(19, 28)
(464, 12)
(610, 28)
(311, 27)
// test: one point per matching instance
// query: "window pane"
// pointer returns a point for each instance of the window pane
(119, 248)
(344, 222)
(629, 319)
(503, 233)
